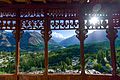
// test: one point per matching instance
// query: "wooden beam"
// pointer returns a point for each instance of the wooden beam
(69, 1)
(21, 1)
(28, 1)
(83, 1)
(12, 1)
(6, 1)
(44, 1)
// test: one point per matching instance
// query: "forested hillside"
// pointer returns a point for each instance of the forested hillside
(97, 58)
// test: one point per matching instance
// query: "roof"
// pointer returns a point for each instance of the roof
(57, 1)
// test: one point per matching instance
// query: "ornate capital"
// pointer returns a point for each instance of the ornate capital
(111, 34)
(46, 35)
(81, 34)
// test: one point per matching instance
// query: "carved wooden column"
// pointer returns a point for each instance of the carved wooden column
(17, 37)
(46, 35)
(81, 35)
(112, 35)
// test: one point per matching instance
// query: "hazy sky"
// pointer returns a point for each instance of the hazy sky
(62, 33)
(66, 33)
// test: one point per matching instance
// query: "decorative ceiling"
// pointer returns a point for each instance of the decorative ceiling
(57, 1)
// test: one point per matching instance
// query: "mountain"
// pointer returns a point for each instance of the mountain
(30, 41)
(70, 41)
(96, 36)
(58, 37)
(3, 39)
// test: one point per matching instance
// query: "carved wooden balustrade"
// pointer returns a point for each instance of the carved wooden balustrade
(60, 17)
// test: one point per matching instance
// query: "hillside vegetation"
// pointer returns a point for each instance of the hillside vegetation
(66, 59)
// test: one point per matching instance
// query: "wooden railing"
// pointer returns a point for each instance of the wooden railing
(58, 77)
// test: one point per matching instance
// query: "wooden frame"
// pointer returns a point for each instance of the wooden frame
(47, 18)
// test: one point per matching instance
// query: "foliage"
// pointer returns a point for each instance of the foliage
(97, 57)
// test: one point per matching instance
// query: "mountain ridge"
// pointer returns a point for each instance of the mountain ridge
(96, 36)
(30, 41)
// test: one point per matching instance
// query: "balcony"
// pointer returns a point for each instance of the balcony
(59, 40)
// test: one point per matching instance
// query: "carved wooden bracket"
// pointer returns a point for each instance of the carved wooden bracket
(81, 34)
(46, 35)
(111, 34)
(14, 32)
